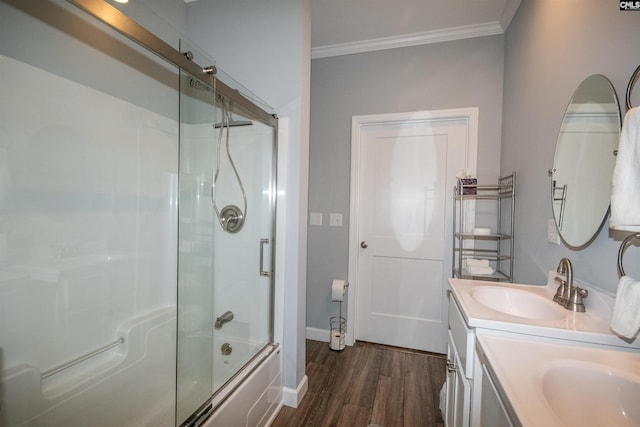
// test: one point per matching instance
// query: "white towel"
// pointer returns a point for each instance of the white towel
(625, 193)
(480, 270)
(471, 262)
(626, 310)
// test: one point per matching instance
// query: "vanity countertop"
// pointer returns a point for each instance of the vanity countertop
(554, 384)
(554, 321)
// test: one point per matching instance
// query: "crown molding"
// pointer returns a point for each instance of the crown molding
(508, 13)
(405, 40)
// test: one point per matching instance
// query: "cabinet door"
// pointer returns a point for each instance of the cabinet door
(450, 406)
(492, 412)
(463, 396)
(458, 389)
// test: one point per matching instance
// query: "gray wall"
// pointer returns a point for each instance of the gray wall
(464, 73)
(551, 46)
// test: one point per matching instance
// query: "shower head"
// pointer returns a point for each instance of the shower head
(233, 123)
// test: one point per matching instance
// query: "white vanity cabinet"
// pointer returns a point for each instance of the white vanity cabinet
(498, 331)
(492, 411)
(472, 399)
(460, 361)
(458, 389)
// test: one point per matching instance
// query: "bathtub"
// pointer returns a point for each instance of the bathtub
(246, 378)
(134, 384)
(253, 397)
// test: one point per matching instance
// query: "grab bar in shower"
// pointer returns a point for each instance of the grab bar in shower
(81, 359)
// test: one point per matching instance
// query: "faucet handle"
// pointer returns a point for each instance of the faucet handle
(560, 297)
(575, 301)
(578, 293)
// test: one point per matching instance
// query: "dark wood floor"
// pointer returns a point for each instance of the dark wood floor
(368, 384)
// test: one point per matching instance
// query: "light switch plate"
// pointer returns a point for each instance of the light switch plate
(315, 218)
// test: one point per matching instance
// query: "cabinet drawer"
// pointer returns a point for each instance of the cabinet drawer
(463, 337)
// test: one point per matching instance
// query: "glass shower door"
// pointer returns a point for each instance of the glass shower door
(195, 248)
(88, 195)
(243, 240)
(226, 229)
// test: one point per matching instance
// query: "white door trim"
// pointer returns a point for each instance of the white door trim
(469, 115)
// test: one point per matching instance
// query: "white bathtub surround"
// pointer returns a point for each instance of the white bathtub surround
(251, 401)
(140, 370)
(87, 233)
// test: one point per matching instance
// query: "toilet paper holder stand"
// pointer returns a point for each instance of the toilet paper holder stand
(337, 328)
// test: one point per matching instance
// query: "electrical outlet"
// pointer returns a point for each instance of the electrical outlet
(553, 236)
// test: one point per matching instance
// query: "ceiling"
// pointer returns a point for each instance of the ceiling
(342, 27)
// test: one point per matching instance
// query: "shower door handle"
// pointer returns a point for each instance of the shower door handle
(262, 270)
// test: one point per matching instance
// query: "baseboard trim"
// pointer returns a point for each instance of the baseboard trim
(318, 334)
(323, 335)
(291, 397)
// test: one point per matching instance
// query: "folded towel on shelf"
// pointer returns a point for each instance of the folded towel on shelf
(626, 310)
(480, 270)
(471, 262)
(625, 192)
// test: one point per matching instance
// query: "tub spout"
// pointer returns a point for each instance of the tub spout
(225, 318)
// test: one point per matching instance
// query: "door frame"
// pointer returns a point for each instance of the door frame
(468, 115)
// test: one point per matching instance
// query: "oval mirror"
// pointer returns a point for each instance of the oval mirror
(584, 161)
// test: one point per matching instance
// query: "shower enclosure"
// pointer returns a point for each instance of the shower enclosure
(226, 237)
(137, 201)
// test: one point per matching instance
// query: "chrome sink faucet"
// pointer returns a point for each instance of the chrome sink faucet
(568, 295)
(564, 290)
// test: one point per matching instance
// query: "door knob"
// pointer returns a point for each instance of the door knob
(364, 245)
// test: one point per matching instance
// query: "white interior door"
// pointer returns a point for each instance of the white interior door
(401, 226)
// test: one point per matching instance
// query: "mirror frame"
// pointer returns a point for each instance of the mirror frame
(585, 158)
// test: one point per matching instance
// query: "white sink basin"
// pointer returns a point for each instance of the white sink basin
(584, 393)
(530, 309)
(553, 384)
(516, 302)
